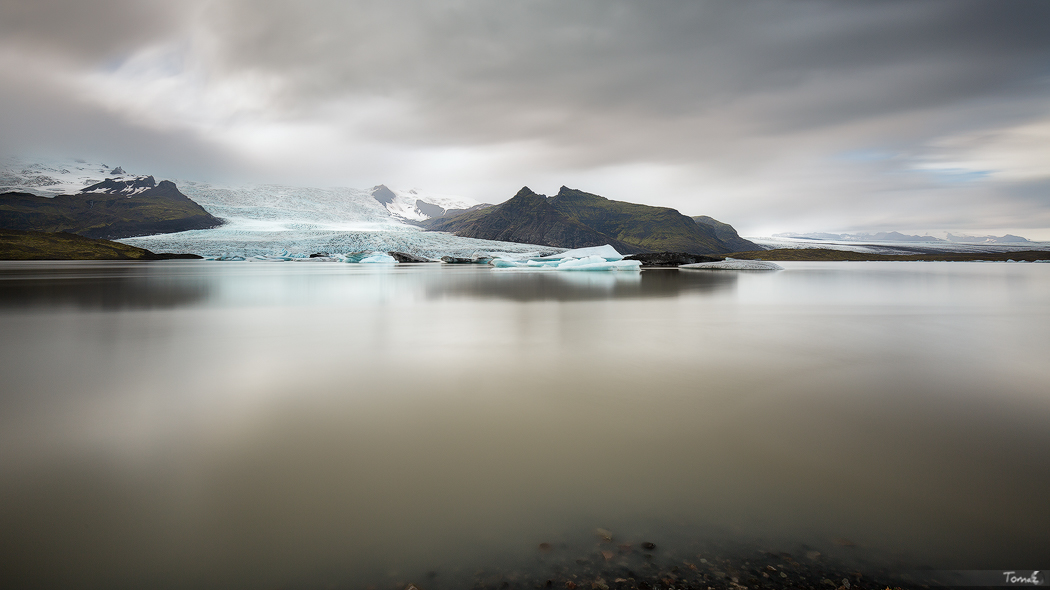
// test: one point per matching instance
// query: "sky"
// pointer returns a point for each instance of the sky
(831, 115)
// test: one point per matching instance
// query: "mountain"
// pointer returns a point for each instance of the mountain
(529, 218)
(577, 219)
(114, 208)
(892, 236)
(727, 234)
(1007, 239)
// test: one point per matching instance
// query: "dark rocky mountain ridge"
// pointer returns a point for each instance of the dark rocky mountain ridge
(112, 209)
(577, 219)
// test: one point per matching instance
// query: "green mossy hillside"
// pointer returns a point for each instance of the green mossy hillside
(34, 245)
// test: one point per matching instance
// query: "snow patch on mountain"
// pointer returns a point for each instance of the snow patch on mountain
(418, 205)
(121, 185)
(47, 178)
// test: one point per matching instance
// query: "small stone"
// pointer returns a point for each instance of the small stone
(607, 555)
(845, 583)
(599, 584)
(570, 585)
(812, 554)
(648, 546)
(604, 534)
(545, 547)
(783, 575)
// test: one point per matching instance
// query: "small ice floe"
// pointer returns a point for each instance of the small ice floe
(733, 264)
(599, 258)
(475, 258)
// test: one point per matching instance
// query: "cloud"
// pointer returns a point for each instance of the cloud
(737, 109)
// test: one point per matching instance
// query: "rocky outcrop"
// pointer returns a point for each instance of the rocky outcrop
(403, 257)
(671, 258)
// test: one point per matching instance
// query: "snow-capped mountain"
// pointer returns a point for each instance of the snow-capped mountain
(54, 177)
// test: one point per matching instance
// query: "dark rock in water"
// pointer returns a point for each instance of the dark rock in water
(672, 258)
(472, 260)
(319, 255)
(402, 257)
(648, 546)
(173, 256)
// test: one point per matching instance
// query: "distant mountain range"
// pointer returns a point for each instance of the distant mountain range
(576, 219)
(118, 207)
(899, 237)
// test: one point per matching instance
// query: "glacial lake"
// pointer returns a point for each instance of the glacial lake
(192, 424)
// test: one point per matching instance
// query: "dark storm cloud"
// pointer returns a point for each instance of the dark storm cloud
(581, 71)
(762, 97)
(85, 31)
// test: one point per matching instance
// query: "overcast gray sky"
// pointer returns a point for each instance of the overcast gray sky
(798, 115)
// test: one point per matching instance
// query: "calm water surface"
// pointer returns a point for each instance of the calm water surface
(262, 425)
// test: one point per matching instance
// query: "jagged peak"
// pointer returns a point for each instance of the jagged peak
(565, 191)
(524, 192)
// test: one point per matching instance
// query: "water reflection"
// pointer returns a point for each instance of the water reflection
(301, 426)
(96, 286)
(517, 285)
(172, 284)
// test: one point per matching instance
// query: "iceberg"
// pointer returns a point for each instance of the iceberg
(601, 258)
(607, 252)
(733, 264)
(379, 258)
(369, 258)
